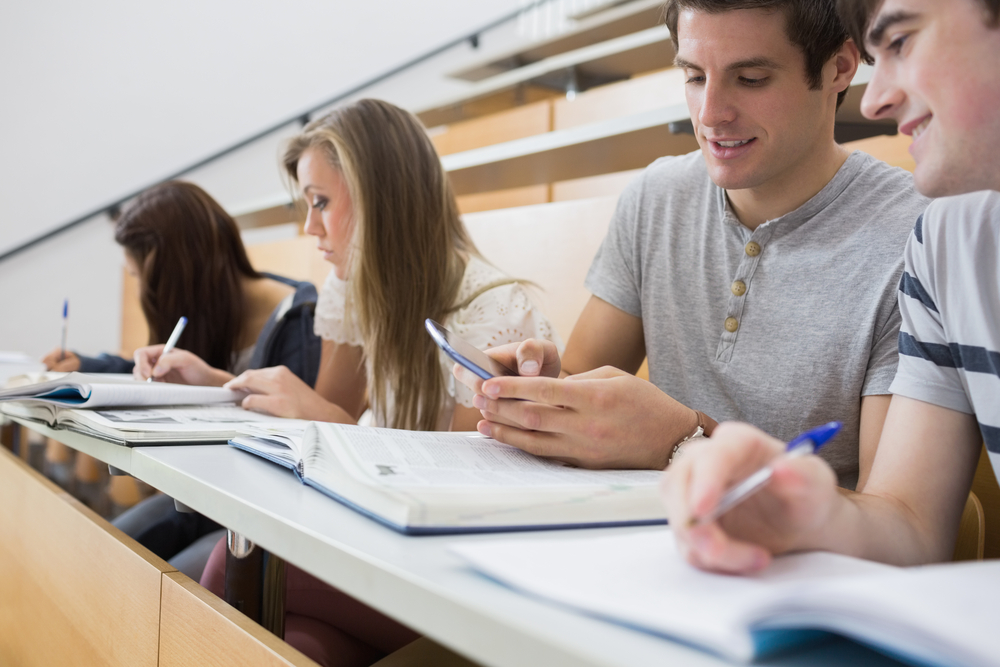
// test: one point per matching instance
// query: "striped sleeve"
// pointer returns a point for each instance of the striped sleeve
(928, 368)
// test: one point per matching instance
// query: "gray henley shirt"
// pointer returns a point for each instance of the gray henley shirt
(785, 327)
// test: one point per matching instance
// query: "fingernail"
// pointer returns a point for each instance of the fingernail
(529, 367)
(484, 429)
(479, 401)
(491, 389)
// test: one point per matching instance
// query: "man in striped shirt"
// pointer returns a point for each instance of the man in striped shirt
(935, 73)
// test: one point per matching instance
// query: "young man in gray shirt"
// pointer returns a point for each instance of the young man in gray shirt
(935, 73)
(758, 275)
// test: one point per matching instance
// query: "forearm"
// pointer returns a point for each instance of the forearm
(342, 379)
(218, 377)
(880, 528)
(604, 336)
(330, 412)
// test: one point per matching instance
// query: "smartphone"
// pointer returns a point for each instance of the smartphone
(465, 353)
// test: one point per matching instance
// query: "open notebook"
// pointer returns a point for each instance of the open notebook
(431, 483)
(128, 412)
(935, 615)
(187, 424)
(96, 390)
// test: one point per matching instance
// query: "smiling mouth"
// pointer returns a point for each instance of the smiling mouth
(919, 129)
(733, 144)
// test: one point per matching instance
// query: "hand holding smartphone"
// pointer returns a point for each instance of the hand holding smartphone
(465, 354)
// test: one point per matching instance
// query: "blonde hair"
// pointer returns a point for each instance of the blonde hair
(409, 248)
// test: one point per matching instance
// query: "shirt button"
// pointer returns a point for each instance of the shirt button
(739, 288)
(753, 248)
(731, 324)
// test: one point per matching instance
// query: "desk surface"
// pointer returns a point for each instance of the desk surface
(413, 579)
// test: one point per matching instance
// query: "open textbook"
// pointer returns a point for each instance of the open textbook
(194, 424)
(431, 483)
(934, 615)
(96, 390)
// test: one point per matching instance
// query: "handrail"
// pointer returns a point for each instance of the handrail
(302, 117)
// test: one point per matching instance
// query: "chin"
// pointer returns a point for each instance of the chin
(937, 180)
(728, 178)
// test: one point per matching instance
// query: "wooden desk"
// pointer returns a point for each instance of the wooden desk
(414, 579)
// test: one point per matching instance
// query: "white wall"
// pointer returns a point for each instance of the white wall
(83, 265)
(103, 98)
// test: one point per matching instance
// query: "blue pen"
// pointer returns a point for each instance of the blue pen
(803, 445)
(62, 350)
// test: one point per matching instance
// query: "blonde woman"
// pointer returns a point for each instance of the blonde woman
(383, 211)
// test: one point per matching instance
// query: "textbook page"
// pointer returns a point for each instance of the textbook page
(459, 462)
(83, 390)
(156, 393)
(182, 419)
(640, 580)
(277, 440)
(943, 614)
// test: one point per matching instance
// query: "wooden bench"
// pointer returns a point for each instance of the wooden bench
(76, 591)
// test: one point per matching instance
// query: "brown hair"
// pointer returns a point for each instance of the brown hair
(812, 25)
(191, 263)
(857, 16)
(409, 249)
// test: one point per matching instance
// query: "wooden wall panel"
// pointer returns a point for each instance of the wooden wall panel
(985, 486)
(624, 98)
(490, 201)
(605, 185)
(135, 333)
(73, 590)
(482, 106)
(295, 258)
(200, 630)
(559, 241)
(891, 149)
(517, 123)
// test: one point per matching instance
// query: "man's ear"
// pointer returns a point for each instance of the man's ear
(843, 66)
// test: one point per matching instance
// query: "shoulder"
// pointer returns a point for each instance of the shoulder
(977, 212)
(670, 183)
(304, 292)
(879, 190)
(478, 277)
(669, 174)
(494, 308)
(963, 228)
(333, 320)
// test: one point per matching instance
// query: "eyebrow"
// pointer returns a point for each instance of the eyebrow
(749, 63)
(884, 22)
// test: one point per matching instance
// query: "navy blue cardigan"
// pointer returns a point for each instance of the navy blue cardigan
(287, 339)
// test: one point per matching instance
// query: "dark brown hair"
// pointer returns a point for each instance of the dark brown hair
(812, 25)
(191, 263)
(409, 248)
(857, 16)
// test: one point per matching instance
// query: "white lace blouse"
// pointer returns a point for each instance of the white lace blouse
(500, 315)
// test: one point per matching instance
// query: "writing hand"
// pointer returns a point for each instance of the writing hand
(56, 360)
(785, 515)
(177, 366)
